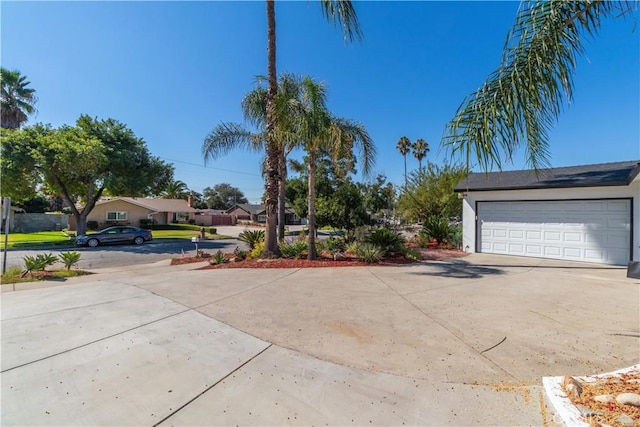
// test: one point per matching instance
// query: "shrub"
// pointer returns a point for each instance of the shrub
(294, 249)
(455, 237)
(333, 244)
(146, 223)
(92, 225)
(438, 228)
(386, 239)
(412, 254)
(256, 252)
(369, 253)
(70, 258)
(218, 258)
(213, 230)
(240, 254)
(38, 262)
(192, 221)
(251, 237)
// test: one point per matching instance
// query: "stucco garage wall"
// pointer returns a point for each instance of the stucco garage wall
(630, 191)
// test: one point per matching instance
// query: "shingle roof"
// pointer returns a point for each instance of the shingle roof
(255, 209)
(158, 205)
(598, 175)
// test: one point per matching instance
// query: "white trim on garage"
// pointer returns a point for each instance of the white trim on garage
(592, 230)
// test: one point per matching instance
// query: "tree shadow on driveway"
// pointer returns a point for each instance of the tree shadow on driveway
(459, 270)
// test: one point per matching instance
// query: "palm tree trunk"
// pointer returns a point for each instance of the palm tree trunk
(271, 202)
(281, 195)
(312, 204)
(405, 170)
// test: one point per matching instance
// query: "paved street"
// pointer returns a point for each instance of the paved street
(460, 343)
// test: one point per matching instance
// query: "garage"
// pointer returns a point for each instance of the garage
(578, 230)
(588, 213)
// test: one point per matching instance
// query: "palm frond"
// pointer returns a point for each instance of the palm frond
(520, 102)
(230, 136)
(342, 12)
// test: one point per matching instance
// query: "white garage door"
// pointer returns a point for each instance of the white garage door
(581, 230)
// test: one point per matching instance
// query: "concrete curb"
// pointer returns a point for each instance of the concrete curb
(563, 411)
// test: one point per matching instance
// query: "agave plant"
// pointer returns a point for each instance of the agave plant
(70, 258)
(251, 237)
(294, 249)
(438, 228)
(38, 262)
(387, 239)
(369, 253)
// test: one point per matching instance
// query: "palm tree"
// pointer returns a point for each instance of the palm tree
(229, 136)
(18, 100)
(322, 131)
(519, 102)
(404, 146)
(336, 11)
(175, 190)
(420, 150)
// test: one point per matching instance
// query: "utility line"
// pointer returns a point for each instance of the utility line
(211, 167)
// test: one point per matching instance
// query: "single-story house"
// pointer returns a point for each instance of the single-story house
(130, 210)
(258, 214)
(580, 213)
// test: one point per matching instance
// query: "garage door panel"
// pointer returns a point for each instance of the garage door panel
(586, 230)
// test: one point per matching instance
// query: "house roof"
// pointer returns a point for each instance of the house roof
(157, 205)
(254, 209)
(597, 175)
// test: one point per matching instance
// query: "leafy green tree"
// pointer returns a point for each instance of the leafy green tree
(212, 199)
(175, 190)
(18, 100)
(404, 146)
(378, 196)
(82, 163)
(37, 204)
(336, 11)
(430, 193)
(344, 209)
(420, 150)
(19, 176)
(522, 99)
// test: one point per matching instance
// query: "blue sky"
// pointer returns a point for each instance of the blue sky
(171, 71)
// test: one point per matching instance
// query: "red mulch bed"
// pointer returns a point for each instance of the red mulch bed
(428, 254)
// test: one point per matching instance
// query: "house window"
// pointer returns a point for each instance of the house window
(262, 218)
(116, 216)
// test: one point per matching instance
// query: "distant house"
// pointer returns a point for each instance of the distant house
(131, 210)
(209, 217)
(258, 214)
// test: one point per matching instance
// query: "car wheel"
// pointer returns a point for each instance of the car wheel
(93, 243)
(138, 240)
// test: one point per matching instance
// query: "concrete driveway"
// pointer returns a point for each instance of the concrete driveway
(460, 343)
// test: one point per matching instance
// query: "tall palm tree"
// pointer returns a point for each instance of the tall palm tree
(18, 100)
(519, 102)
(420, 150)
(175, 190)
(336, 11)
(320, 130)
(404, 146)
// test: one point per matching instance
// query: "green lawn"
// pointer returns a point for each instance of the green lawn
(56, 238)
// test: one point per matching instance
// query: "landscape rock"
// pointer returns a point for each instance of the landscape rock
(632, 399)
(572, 387)
(604, 398)
(625, 420)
